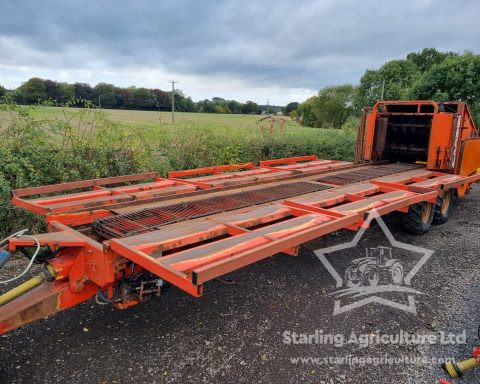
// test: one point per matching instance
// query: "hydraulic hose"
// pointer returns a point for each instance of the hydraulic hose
(48, 274)
(456, 370)
(32, 260)
(14, 235)
(4, 254)
(4, 257)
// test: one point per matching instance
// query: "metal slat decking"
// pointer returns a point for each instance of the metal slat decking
(150, 219)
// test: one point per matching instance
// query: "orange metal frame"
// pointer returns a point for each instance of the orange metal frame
(449, 131)
(188, 254)
(99, 197)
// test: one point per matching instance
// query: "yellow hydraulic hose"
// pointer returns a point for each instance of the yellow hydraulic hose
(456, 370)
(42, 277)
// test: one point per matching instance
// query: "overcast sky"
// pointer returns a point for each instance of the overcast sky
(244, 50)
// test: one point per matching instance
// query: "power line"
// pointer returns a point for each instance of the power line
(173, 99)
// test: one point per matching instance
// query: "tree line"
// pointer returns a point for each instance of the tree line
(428, 74)
(37, 90)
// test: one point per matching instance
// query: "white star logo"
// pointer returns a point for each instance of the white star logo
(361, 291)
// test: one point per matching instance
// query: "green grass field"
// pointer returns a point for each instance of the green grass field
(156, 125)
(151, 119)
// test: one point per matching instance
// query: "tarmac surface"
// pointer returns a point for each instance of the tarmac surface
(242, 332)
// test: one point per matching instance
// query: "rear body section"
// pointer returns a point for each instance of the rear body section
(440, 135)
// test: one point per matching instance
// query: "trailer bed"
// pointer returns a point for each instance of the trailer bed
(196, 225)
(199, 224)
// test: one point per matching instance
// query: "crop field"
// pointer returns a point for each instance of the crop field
(155, 119)
(230, 128)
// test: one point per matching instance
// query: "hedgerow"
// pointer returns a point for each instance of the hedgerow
(87, 144)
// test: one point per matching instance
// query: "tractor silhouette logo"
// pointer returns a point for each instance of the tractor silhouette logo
(378, 277)
(373, 268)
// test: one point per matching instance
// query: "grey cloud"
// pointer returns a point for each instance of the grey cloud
(304, 44)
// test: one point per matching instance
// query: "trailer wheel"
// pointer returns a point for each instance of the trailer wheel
(443, 207)
(419, 218)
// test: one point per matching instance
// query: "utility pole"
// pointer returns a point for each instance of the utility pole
(383, 89)
(173, 99)
(268, 104)
(99, 98)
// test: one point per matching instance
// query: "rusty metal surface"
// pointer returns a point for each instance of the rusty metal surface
(312, 166)
(437, 181)
(36, 304)
(82, 184)
(150, 219)
(336, 195)
(238, 178)
(366, 173)
(404, 177)
(80, 203)
(203, 248)
(372, 202)
(198, 257)
(380, 137)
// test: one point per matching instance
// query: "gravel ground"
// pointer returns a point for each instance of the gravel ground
(235, 332)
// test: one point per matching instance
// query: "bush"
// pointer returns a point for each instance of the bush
(38, 152)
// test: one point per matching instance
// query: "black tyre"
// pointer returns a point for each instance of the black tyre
(419, 218)
(443, 207)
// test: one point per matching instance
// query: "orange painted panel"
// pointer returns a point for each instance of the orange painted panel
(469, 161)
(369, 134)
(439, 140)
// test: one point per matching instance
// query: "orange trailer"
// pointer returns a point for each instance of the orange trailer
(124, 239)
